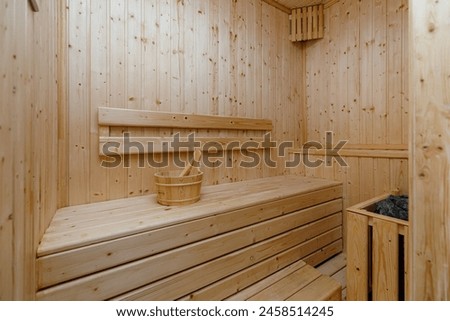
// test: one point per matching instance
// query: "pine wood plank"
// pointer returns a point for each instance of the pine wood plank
(163, 56)
(71, 264)
(380, 73)
(21, 73)
(399, 176)
(305, 23)
(98, 97)
(149, 78)
(288, 285)
(176, 54)
(366, 178)
(407, 262)
(117, 177)
(325, 253)
(381, 176)
(357, 257)
(241, 280)
(394, 71)
(144, 145)
(323, 288)
(63, 103)
(315, 22)
(181, 284)
(6, 155)
(430, 175)
(366, 71)
(78, 118)
(342, 121)
(385, 261)
(333, 265)
(142, 118)
(354, 71)
(287, 186)
(341, 277)
(310, 22)
(201, 54)
(28, 132)
(333, 121)
(59, 239)
(263, 284)
(320, 22)
(406, 72)
(362, 153)
(106, 284)
(134, 92)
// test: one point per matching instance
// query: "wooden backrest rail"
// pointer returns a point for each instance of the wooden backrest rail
(119, 117)
(143, 118)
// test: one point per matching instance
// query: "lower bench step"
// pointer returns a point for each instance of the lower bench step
(297, 282)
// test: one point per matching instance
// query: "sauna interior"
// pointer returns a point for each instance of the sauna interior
(270, 90)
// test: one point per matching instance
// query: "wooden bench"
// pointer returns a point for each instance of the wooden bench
(242, 240)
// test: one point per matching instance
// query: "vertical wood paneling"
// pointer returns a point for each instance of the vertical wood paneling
(8, 84)
(63, 101)
(133, 82)
(150, 74)
(99, 94)
(394, 72)
(354, 75)
(354, 87)
(385, 260)
(192, 56)
(117, 39)
(28, 130)
(21, 152)
(78, 97)
(430, 150)
(379, 81)
(366, 47)
(405, 71)
(357, 257)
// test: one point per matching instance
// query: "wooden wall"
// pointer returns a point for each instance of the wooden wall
(357, 87)
(430, 150)
(28, 135)
(227, 57)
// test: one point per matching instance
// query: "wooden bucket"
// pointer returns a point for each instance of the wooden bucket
(174, 190)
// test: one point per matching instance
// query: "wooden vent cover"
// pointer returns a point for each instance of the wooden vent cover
(307, 23)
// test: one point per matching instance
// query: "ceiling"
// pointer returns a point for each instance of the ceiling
(288, 5)
(299, 3)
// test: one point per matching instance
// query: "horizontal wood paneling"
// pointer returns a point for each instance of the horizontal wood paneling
(227, 58)
(28, 134)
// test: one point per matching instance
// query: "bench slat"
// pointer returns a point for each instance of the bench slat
(100, 222)
(288, 285)
(266, 282)
(109, 283)
(67, 265)
(143, 118)
(243, 279)
(322, 289)
(279, 249)
(238, 235)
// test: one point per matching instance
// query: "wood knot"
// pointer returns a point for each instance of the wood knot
(431, 27)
